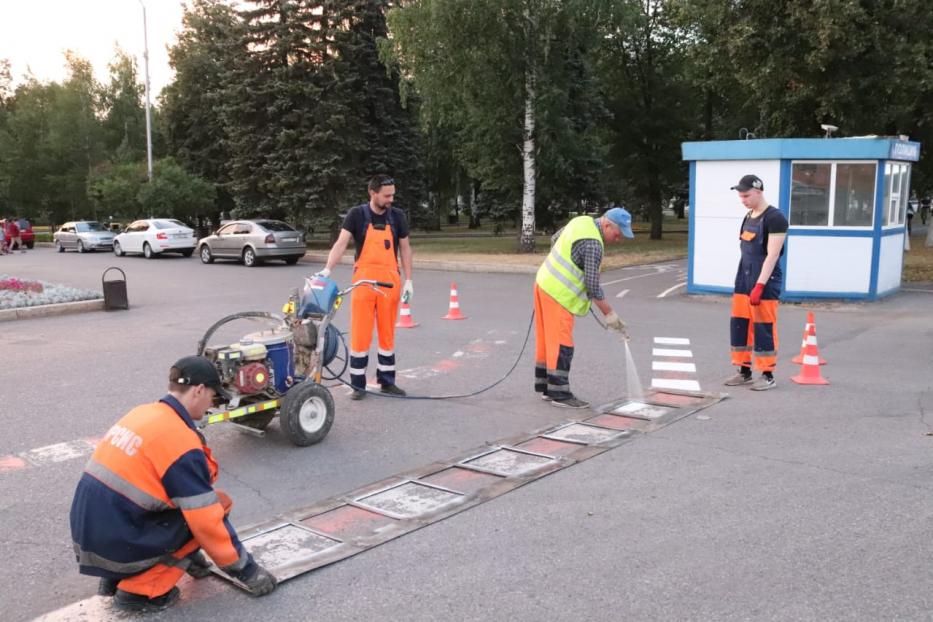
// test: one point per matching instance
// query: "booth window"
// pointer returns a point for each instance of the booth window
(832, 194)
(896, 189)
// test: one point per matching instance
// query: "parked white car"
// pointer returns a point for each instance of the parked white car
(154, 236)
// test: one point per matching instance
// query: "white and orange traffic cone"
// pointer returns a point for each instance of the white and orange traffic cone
(404, 319)
(797, 360)
(453, 313)
(810, 368)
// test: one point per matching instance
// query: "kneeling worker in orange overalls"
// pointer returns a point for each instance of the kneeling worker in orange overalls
(758, 281)
(146, 504)
(566, 284)
(379, 232)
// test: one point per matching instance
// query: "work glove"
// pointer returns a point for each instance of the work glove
(258, 580)
(754, 298)
(614, 322)
(324, 272)
(408, 290)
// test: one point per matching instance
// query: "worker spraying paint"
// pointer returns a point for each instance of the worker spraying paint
(566, 285)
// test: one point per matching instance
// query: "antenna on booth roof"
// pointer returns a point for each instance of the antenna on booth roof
(745, 134)
(829, 129)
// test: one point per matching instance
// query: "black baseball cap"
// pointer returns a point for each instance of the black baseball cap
(195, 370)
(749, 182)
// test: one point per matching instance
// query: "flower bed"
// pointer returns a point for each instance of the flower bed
(16, 293)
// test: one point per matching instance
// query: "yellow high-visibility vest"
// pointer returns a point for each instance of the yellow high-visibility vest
(558, 276)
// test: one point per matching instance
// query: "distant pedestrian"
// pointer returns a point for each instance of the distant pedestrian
(12, 234)
(3, 250)
(758, 283)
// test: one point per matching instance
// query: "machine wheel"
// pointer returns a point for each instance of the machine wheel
(307, 413)
(59, 247)
(81, 248)
(187, 253)
(205, 253)
(147, 251)
(249, 257)
(117, 250)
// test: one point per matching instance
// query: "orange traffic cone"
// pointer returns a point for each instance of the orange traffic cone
(404, 318)
(797, 360)
(453, 313)
(810, 369)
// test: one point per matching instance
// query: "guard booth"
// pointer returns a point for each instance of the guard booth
(845, 200)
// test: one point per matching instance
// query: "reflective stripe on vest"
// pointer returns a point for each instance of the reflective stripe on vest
(558, 276)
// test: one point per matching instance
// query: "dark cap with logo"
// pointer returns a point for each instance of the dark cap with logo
(749, 182)
(195, 370)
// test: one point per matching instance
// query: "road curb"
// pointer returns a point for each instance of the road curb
(441, 266)
(64, 308)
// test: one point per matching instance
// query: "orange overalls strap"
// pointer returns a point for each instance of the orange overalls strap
(377, 260)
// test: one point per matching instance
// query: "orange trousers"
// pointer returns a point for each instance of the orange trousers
(367, 307)
(162, 577)
(553, 346)
(754, 334)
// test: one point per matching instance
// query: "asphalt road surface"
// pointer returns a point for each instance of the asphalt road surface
(802, 503)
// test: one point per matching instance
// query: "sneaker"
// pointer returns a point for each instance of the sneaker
(137, 603)
(392, 389)
(358, 394)
(763, 384)
(199, 567)
(107, 587)
(570, 402)
(738, 380)
(545, 397)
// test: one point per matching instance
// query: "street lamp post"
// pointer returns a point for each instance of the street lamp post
(148, 107)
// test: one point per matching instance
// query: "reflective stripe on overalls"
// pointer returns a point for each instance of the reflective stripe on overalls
(377, 260)
(753, 330)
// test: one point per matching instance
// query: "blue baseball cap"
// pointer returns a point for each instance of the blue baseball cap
(620, 217)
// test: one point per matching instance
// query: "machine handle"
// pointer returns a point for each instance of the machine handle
(385, 284)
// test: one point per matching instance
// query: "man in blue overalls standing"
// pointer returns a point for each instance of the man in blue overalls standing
(758, 282)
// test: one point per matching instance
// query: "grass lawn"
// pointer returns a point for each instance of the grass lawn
(918, 261)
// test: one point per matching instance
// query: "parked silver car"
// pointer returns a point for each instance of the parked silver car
(253, 241)
(83, 236)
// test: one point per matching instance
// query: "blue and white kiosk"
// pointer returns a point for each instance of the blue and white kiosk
(845, 200)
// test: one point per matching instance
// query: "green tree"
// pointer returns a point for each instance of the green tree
(500, 74)
(646, 90)
(190, 119)
(176, 193)
(124, 122)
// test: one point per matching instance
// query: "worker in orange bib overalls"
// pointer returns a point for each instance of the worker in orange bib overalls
(380, 233)
(758, 281)
(146, 503)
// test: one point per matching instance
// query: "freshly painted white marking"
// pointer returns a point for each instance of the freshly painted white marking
(672, 341)
(622, 293)
(667, 352)
(457, 354)
(59, 452)
(670, 289)
(667, 366)
(673, 383)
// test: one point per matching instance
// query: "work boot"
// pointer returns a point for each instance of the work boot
(570, 402)
(738, 380)
(763, 384)
(544, 396)
(137, 603)
(358, 394)
(107, 587)
(393, 389)
(199, 566)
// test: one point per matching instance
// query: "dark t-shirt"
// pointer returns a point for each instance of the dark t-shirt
(772, 221)
(355, 223)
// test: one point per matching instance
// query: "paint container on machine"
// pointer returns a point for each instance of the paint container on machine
(632, 381)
